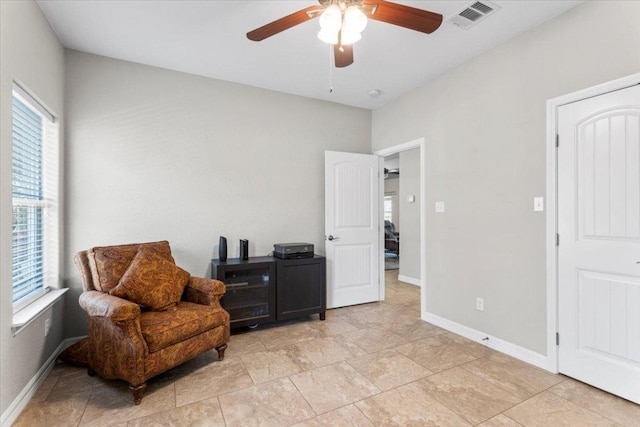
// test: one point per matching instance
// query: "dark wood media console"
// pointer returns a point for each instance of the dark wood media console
(251, 290)
(266, 289)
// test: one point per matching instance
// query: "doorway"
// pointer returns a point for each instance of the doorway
(594, 300)
(391, 208)
(404, 211)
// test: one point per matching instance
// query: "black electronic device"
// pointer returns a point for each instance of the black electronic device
(222, 249)
(293, 250)
(244, 249)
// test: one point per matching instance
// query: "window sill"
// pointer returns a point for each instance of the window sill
(31, 312)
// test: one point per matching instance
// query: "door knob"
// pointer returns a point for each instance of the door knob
(330, 238)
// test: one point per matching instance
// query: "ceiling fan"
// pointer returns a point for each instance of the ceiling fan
(342, 21)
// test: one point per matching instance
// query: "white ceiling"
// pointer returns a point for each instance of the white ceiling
(208, 38)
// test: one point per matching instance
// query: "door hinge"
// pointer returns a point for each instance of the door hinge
(557, 338)
(557, 239)
(557, 140)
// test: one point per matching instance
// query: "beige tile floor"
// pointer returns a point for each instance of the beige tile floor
(369, 365)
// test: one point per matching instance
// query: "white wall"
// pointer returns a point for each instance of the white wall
(157, 154)
(31, 55)
(410, 214)
(484, 126)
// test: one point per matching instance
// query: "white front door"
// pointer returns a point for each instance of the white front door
(352, 218)
(599, 251)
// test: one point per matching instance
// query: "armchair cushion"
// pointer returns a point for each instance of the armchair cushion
(109, 263)
(161, 329)
(152, 281)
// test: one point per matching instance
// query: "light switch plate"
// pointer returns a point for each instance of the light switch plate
(439, 207)
(538, 204)
(411, 198)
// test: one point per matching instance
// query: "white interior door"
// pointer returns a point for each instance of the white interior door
(352, 237)
(599, 251)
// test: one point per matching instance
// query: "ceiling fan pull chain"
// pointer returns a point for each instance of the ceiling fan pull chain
(330, 69)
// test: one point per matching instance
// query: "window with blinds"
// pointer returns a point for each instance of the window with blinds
(34, 193)
(388, 208)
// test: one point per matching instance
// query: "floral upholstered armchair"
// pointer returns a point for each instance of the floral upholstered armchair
(147, 315)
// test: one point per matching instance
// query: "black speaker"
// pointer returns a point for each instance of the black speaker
(244, 249)
(222, 249)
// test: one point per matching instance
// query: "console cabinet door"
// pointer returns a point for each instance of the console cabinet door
(250, 296)
(301, 287)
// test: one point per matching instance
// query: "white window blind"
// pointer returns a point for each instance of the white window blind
(35, 204)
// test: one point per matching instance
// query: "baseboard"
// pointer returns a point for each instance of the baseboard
(23, 398)
(409, 280)
(526, 355)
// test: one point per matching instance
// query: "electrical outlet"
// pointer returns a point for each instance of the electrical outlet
(480, 304)
(47, 327)
(439, 207)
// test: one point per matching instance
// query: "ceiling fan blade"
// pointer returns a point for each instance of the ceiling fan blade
(284, 23)
(404, 16)
(344, 57)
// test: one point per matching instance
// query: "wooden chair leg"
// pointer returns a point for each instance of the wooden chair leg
(220, 351)
(138, 392)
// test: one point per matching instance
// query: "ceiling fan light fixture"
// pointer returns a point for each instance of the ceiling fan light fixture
(330, 37)
(354, 20)
(331, 19)
(335, 21)
(350, 37)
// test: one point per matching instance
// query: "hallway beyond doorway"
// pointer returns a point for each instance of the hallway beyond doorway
(400, 293)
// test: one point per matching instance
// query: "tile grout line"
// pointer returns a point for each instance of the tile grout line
(526, 400)
(435, 398)
(562, 398)
(486, 381)
(86, 405)
(224, 419)
(359, 410)
(175, 395)
(578, 405)
(496, 385)
(501, 413)
(304, 398)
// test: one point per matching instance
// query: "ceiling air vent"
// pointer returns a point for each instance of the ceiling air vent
(473, 14)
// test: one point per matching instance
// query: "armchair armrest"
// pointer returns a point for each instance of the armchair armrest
(104, 305)
(204, 291)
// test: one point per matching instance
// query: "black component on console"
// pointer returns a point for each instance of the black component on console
(222, 249)
(293, 250)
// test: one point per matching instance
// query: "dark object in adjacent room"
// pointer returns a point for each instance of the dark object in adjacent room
(391, 238)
